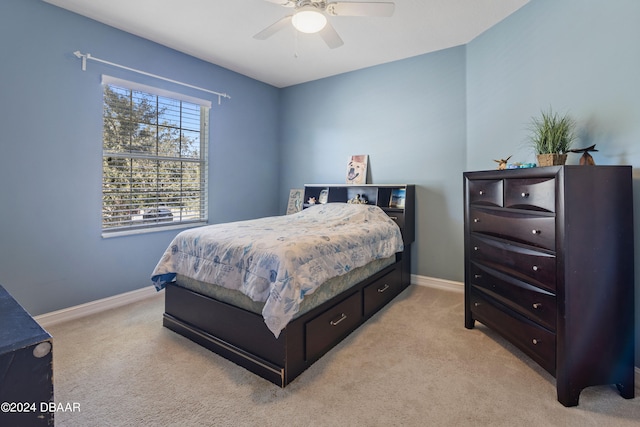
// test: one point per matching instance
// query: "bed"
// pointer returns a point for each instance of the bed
(275, 294)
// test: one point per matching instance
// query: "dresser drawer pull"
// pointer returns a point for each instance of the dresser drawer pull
(477, 276)
(476, 220)
(475, 248)
(536, 231)
(536, 341)
(537, 305)
(481, 192)
(395, 218)
(535, 268)
(335, 322)
(383, 289)
(477, 304)
(525, 195)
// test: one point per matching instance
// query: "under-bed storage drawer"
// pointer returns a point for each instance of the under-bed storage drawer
(382, 291)
(324, 331)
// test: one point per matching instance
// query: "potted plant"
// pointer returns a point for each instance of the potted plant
(551, 137)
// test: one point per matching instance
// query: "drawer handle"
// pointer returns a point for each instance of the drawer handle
(395, 218)
(477, 304)
(475, 248)
(476, 219)
(525, 195)
(336, 322)
(536, 231)
(477, 276)
(535, 268)
(537, 305)
(481, 192)
(383, 289)
(536, 341)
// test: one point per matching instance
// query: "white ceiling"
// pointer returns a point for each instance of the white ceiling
(221, 32)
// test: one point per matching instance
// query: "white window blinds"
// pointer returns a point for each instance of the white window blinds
(154, 158)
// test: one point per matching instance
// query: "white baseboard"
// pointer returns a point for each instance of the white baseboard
(450, 285)
(93, 307)
(432, 282)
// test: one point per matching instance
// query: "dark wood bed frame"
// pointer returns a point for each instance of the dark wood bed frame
(242, 336)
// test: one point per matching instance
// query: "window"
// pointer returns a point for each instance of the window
(154, 164)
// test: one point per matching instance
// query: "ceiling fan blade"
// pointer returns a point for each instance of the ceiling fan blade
(330, 36)
(285, 3)
(273, 28)
(383, 9)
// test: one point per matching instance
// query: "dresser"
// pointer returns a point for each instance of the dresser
(549, 266)
(26, 367)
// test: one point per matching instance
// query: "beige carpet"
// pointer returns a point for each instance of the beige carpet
(413, 364)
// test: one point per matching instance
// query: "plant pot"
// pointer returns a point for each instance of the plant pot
(551, 159)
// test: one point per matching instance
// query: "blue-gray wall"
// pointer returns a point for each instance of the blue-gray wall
(409, 117)
(422, 120)
(52, 254)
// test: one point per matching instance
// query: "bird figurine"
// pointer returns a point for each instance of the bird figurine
(586, 158)
(502, 163)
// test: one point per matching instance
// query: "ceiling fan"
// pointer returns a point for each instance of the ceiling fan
(310, 16)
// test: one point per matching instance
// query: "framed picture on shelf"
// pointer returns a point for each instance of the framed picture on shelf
(323, 197)
(357, 169)
(296, 196)
(397, 198)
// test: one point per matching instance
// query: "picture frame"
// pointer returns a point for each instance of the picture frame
(397, 199)
(357, 169)
(323, 197)
(296, 200)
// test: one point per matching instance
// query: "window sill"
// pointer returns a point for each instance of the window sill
(132, 232)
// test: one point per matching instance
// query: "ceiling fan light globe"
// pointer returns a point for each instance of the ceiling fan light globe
(309, 21)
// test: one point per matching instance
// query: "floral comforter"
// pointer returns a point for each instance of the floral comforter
(278, 260)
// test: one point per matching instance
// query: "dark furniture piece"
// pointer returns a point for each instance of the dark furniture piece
(26, 367)
(549, 266)
(242, 336)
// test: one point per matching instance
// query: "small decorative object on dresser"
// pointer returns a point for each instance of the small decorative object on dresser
(549, 265)
(586, 158)
(551, 137)
(502, 163)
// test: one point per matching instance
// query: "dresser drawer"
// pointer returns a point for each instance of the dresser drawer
(533, 194)
(536, 230)
(331, 326)
(382, 291)
(530, 265)
(533, 303)
(534, 340)
(485, 192)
